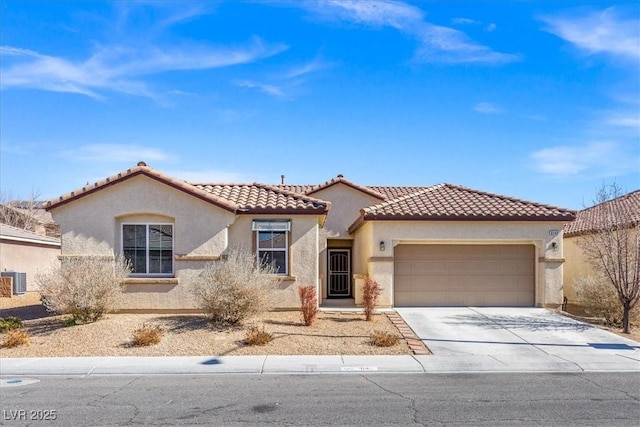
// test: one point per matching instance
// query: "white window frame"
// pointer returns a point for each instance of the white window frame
(147, 225)
(273, 226)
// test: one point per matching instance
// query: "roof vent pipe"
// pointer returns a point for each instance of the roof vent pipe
(282, 179)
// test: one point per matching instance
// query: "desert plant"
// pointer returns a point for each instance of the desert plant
(371, 290)
(612, 247)
(308, 304)
(15, 338)
(384, 339)
(256, 336)
(234, 289)
(10, 323)
(147, 335)
(599, 299)
(84, 287)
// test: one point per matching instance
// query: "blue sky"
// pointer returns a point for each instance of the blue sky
(534, 99)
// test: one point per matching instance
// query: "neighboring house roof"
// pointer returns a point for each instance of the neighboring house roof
(8, 232)
(453, 203)
(626, 207)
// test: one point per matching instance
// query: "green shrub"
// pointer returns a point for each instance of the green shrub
(234, 289)
(10, 323)
(84, 287)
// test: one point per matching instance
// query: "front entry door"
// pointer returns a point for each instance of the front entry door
(339, 273)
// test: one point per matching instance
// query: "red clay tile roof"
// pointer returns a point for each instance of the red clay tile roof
(141, 169)
(453, 203)
(342, 180)
(262, 198)
(255, 198)
(591, 219)
(439, 202)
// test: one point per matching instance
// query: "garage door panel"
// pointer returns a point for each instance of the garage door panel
(459, 275)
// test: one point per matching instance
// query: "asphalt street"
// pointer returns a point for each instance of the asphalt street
(478, 399)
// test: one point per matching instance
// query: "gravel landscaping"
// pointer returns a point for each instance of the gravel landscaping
(341, 333)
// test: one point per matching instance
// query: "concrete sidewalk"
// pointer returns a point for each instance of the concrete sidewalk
(262, 365)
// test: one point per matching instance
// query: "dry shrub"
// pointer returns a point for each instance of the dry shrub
(10, 323)
(308, 304)
(599, 298)
(384, 339)
(370, 293)
(147, 335)
(84, 287)
(15, 338)
(234, 289)
(255, 336)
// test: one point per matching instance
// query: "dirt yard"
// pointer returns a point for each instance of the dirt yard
(191, 335)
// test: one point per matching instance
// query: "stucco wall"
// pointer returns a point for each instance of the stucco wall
(574, 268)
(30, 258)
(346, 203)
(549, 261)
(92, 226)
(202, 233)
(303, 253)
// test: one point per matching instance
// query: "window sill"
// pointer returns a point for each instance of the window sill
(151, 281)
(283, 278)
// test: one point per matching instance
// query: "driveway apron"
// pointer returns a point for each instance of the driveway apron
(512, 333)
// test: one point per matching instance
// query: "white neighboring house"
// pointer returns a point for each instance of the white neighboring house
(27, 252)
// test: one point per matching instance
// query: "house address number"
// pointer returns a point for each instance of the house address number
(554, 232)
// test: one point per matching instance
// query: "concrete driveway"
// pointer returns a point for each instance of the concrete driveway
(521, 338)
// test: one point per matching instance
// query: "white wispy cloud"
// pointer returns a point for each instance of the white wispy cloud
(595, 159)
(121, 153)
(436, 43)
(269, 89)
(606, 31)
(283, 85)
(624, 119)
(487, 108)
(118, 68)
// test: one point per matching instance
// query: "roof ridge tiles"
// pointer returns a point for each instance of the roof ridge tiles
(341, 179)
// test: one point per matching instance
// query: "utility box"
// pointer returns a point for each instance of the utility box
(19, 281)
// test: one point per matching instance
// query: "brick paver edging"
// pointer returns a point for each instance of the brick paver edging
(410, 337)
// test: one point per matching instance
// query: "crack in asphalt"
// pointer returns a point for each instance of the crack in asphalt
(412, 402)
(626, 393)
(136, 411)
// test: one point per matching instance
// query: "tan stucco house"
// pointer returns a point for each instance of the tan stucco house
(588, 221)
(442, 245)
(23, 251)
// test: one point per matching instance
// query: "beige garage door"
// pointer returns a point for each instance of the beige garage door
(464, 275)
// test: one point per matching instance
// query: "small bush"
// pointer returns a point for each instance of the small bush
(147, 335)
(255, 336)
(84, 287)
(15, 338)
(384, 339)
(10, 323)
(599, 298)
(370, 293)
(308, 304)
(234, 289)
